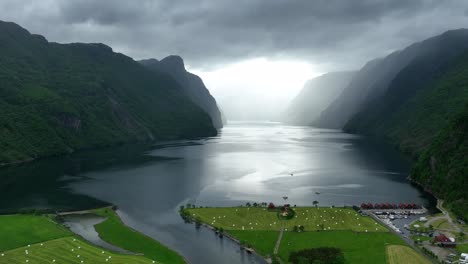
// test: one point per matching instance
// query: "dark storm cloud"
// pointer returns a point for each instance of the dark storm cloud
(336, 34)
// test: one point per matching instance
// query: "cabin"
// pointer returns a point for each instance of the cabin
(443, 241)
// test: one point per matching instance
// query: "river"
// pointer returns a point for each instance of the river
(247, 162)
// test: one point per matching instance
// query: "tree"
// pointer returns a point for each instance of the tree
(317, 255)
(301, 228)
(198, 222)
(221, 232)
(295, 228)
(248, 204)
(315, 203)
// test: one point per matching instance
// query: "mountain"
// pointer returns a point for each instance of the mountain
(443, 167)
(315, 96)
(58, 98)
(191, 84)
(424, 112)
(372, 81)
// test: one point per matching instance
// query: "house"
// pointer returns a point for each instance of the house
(443, 241)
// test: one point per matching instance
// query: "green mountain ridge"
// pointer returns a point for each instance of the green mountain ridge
(416, 99)
(424, 113)
(372, 81)
(192, 84)
(58, 98)
(443, 167)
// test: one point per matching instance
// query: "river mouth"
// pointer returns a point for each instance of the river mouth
(248, 162)
(83, 225)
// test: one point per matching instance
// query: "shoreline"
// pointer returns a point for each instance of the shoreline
(115, 211)
(252, 249)
(237, 241)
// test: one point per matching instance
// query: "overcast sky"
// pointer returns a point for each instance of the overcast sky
(245, 48)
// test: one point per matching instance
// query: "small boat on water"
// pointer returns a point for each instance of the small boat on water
(317, 192)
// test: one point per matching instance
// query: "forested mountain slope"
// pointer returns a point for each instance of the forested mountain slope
(191, 83)
(372, 81)
(424, 112)
(57, 98)
(443, 167)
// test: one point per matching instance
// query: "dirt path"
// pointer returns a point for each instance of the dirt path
(278, 242)
(445, 216)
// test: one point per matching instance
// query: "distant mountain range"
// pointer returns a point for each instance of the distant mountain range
(191, 83)
(417, 99)
(58, 98)
(315, 96)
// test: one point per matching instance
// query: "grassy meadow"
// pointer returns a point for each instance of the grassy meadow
(356, 247)
(22, 230)
(39, 239)
(67, 250)
(404, 255)
(313, 219)
(115, 232)
(361, 239)
(262, 240)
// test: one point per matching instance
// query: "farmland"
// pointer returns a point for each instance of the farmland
(360, 238)
(37, 239)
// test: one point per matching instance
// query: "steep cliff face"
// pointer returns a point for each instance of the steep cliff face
(421, 100)
(191, 84)
(443, 167)
(57, 98)
(372, 81)
(424, 112)
(315, 96)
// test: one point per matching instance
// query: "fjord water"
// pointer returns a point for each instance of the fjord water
(246, 162)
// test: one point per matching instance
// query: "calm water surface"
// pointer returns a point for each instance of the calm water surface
(247, 162)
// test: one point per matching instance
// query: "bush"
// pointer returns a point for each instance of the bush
(323, 255)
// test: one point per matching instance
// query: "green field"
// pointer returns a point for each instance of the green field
(60, 250)
(342, 228)
(357, 247)
(462, 248)
(404, 255)
(262, 241)
(22, 230)
(46, 240)
(243, 218)
(115, 232)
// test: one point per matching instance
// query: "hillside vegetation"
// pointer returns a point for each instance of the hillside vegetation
(424, 113)
(416, 99)
(374, 80)
(192, 85)
(443, 167)
(57, 98)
